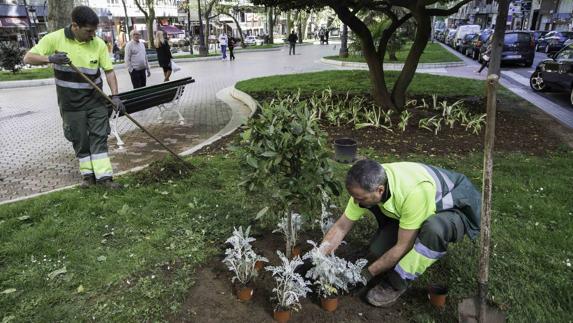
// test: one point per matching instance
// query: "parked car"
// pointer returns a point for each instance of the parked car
(178, 41)
(538, 34)
(450, 38)
(466, 45)
(462, 31)
(253, 40)
(553, 41)
(555, 73)
(518, 47)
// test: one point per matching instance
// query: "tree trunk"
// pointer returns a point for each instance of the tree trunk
(485, 223)
(270, 20)
(59, 14)
(150, 24)
(289, 22)
(422, 35)
(238, 26)
(207, 15)
(149, 15)
(289, 243)
(203, 51)
(127, 28)
(375, 67)
(299, 31)
(343, 52)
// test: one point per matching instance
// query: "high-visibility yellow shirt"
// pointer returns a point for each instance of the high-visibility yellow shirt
(412, 196)
(74, 92)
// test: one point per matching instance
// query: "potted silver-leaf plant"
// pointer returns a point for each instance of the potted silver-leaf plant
(241, 260)
(333, 275)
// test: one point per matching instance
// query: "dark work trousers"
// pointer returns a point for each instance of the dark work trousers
(291, 48)
(231, 53)
(433, 237)
(138, 78)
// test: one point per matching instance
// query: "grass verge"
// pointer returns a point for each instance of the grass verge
(358, 82)
(81, 255)
(433, 53)
(27, 74)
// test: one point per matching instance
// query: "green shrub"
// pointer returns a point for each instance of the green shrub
(11, 56)
(283, 154)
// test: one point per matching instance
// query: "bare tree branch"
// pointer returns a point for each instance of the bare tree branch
(446, 12)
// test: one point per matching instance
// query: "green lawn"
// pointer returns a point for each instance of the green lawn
(130, 255)
(91, 255)
(358, 81)
(28, 74)
(433, 53)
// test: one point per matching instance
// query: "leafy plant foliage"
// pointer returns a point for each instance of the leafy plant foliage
(11, 56)
(241, 258)
(283, 152)
(291, 286)
(333, 274)
(290, 231)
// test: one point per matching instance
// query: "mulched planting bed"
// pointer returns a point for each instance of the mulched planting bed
(212, 298)
(519, 128)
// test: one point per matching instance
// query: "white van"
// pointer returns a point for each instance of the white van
(463, 31)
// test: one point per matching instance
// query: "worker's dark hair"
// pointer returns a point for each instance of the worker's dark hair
(366, 174)
(84, 16)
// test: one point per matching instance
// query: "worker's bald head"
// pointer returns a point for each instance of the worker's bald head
(366, 174)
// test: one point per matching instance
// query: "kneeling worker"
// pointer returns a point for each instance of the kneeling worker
(84, 111)
(419, 208)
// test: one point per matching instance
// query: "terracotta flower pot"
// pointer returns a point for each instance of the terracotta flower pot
(295, 251)
(437, 295)
(329, 304)
(244, 293)
(259, 265)
(281, 316)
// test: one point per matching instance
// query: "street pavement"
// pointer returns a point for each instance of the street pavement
(516, 79)
(36, 158)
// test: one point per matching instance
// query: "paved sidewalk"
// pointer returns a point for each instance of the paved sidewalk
(35, 157)
(514, 82)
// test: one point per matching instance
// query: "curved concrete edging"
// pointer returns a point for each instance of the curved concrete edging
(242, 105)
(390, 66)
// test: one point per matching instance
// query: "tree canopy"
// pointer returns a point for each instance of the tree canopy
(349, 12)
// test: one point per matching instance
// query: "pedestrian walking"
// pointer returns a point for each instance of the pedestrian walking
(163, 54)
(232, 43)
(116, 52)
(420, 210)
(136, 60)
(486, 56)
(321, 35)
(223, 42)
(84, 111)
(292, 39)
(326, 35)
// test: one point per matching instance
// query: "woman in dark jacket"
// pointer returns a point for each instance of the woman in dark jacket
(231, 44)
(163, 54)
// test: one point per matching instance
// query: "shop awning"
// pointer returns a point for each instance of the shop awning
(21, 23)
(171, 30)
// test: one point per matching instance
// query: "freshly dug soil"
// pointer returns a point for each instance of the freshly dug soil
(212, 298)
(520, 127)
(163, 170)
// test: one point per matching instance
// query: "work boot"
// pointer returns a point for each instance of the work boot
(88, 181)
(384, 295)
(109, 184)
